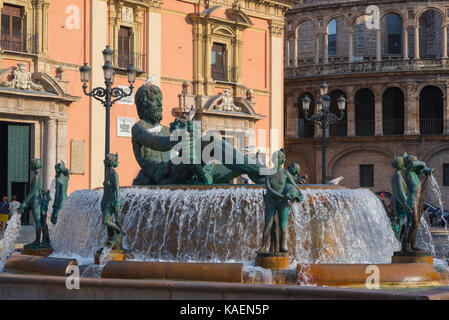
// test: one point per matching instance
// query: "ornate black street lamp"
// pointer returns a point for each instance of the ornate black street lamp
(323, 118)
(107, 96)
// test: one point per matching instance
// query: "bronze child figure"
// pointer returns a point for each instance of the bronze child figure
(110, 203)
(281, 188)
(33, 202)
(62, 181)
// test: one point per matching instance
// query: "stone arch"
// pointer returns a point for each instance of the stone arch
(305, 19)
(221, 29)
(338, 15)
(349, 151)
(392, 10)
(433, 153)
(428, 8)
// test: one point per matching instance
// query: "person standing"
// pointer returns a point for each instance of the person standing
(4, 211)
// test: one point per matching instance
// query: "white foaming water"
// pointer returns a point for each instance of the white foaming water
(94, 271)
(223, 225)
(432, 195)
(8, 243)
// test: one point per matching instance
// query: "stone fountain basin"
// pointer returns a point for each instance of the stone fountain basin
(335, 275)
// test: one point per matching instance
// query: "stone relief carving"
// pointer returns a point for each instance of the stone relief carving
(227, 103)
(21, 79)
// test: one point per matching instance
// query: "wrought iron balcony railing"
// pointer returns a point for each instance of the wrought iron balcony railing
(393, 127)
(338, 129)
(364, 128)
(431, 126)
(19, 42)
(123, 59)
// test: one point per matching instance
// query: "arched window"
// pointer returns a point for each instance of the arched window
(430, 34)
(431, 110)
(393, 111)
(394, 34)
(306, 42)
(332, 38)
(364, 112)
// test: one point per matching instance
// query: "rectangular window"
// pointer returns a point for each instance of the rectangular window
(366, 175)
(124, 48)
(218, 61)
(12, 36)
(446, 175)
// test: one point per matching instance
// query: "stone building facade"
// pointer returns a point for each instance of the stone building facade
(222, 57)
(389, 59)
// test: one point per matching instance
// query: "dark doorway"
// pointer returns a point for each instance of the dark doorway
(431, 110)
(15, 161)
(393, 111)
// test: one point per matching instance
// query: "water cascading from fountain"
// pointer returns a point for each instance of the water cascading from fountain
(425, 240)
(225, 224)
(8, 243)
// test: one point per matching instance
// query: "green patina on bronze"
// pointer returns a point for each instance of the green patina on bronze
(37, 202)
(294, 169)
(281, 188)
(62, 182)
(152, 145)
(414, 169)
(407, 199)
(399, 198)
(110, 203)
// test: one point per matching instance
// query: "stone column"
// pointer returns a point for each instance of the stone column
(416, 55)
(288, 52)
(350, 109)
(351, 50)
(378, 46)
(326, 53)
(207, 61)
(45, 27)
(317, 48)
(378, 124)
(446, 111)
(405, 42)
(295, 51)
(411, 112)
(50, 151)
(445, 41)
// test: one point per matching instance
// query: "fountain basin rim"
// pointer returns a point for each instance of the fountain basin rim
(224, 186)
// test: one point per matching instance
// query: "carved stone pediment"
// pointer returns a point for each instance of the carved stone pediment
(225, 104)
(21, 79)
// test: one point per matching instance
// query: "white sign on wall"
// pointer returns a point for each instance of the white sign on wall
(126, 100)
(124, 126)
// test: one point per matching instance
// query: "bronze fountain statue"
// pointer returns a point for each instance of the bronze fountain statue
(281, 188)
(37, 201)
(62, 182)
(152, 147)
(408, 206)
